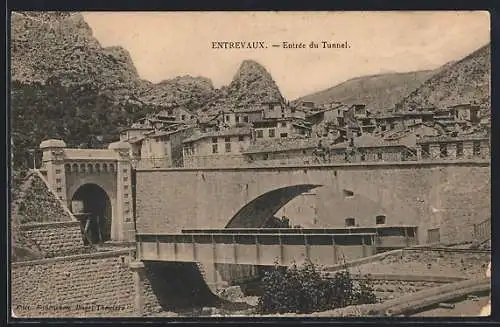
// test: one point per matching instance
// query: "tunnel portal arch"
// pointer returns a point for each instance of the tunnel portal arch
(93, 199)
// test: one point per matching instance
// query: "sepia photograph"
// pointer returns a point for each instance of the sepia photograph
(263, 164)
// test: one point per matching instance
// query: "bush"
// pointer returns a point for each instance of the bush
(303, 290)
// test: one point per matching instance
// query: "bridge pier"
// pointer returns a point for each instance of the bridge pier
(137, 268)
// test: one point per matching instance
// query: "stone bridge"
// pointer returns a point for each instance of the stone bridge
(443, 198)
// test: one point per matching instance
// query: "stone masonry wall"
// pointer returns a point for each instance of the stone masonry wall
(451, 196)
(55, 239)
(99, 284)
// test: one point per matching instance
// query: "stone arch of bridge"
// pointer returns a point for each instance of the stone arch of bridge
(256, 213)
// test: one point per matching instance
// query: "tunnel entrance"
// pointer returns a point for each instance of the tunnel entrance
(93, 200)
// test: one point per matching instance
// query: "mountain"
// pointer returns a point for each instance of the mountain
(61, 47)
(252, 84)
(464, 81)
(378, 92)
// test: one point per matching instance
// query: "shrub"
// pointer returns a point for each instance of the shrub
(304, 290)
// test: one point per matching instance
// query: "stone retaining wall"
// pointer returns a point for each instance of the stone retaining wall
(99, 284)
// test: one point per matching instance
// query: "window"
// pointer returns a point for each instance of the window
(67, 167)
(476, 148)
(348, 194)
(272, 132)
(241, 138)
(228, 146)
(183, 117)
(227, 139)
(425, 151)
(284, 135)
(380, 156)
(245, 119)
(58, 180)
(237, 119)
(214, 140)
(59, 190)
(283, 124)
(214, 148)
(363, 157)
(259, 133)
(380, 220)
(350, 222)
(460, 149)
(58, 171)
(282, 115)
(227, 118)
(443, 150)
(433, 236)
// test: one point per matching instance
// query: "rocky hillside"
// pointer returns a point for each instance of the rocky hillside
(378, 92)
(190, 92)
(61, 47)
(252, 84)
(467, 80)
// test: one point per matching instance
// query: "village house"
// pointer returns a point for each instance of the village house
(281, 110)
(369, 148)
(176, 113)
(401, 119)
(332, 115)
(446, 147)
(134, 132)
(359, 110)
(280, 128)
(216, 148)
(467, 112)
(160, 149)
(241, 116)
(412, 133)
(281, 151)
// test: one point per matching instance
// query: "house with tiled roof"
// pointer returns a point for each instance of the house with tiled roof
(160, 149)
(282, 151)
(369, 148)
(242, 115)
(278, 128)
(216, 148)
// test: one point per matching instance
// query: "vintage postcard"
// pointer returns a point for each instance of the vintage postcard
(250, 164)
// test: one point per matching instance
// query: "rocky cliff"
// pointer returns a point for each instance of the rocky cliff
(60, 47)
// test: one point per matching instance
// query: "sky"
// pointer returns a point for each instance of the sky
(164, 45)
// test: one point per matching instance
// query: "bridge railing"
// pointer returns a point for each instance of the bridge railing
(255, 249)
